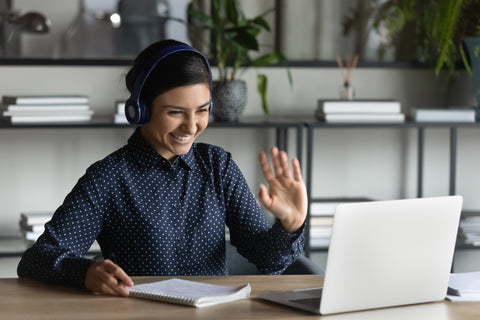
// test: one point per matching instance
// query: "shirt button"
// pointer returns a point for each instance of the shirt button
(174, 205)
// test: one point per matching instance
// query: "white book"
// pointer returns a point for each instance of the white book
(359, 106)
(320, 242)
(464, 287)
(191, 293)
(319, 232)
(32, 113)
(45, 99)
(323, 209)
(364, 118)
(34, 218)
(120, 107)
(32, 235)
(319, 221)
(445, 115)
(50, 119)
(119, 118)
(47, 107)
(39, 228)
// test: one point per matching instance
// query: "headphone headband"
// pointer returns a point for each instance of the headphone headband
(135, 111)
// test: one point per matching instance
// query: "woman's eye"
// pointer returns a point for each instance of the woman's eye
(174, 112)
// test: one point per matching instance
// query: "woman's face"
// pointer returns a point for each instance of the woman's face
(178, 117)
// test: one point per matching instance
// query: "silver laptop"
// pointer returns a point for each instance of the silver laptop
(383, 254)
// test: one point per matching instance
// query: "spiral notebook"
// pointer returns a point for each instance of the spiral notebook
(190, 293)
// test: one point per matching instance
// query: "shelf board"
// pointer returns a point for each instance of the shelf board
(96, 122)
(107, 122)
(314, 123)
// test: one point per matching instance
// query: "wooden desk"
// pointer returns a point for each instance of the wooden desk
(28, 299)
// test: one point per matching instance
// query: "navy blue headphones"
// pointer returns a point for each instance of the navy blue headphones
(135, 111)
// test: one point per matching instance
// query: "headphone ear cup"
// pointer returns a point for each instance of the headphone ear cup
(143, 113)
(132, 111)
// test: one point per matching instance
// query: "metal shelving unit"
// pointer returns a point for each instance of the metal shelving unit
(282, 126)
(312, 125)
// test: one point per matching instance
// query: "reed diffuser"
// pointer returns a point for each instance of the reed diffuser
(346, 90)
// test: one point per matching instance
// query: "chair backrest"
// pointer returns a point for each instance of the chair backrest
(239, 265)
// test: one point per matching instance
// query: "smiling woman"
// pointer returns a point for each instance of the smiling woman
(161, 203)
(178, 117)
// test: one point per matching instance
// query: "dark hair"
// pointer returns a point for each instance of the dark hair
(180, 69)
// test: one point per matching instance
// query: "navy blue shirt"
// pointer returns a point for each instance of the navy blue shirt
(159, 218)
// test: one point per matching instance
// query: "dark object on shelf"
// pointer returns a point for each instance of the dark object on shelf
(229, 100)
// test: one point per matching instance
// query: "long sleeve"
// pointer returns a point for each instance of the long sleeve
(270, 248)
(158, 218)
(57, 257)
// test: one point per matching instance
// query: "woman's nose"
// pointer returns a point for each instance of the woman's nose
(189, 124)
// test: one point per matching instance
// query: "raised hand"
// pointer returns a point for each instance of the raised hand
(286, 196)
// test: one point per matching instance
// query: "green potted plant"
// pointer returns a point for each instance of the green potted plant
(233, 37)
(437, 32)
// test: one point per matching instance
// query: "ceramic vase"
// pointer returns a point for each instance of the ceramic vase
(229, 100)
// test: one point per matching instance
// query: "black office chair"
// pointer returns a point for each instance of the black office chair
(238, 265)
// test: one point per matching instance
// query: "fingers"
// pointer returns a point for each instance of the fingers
(277, 162)
(297, 172)
(106, 277)
(121, 276)
(280, 165)
(283, 158)
(265, 167)
(264, 197)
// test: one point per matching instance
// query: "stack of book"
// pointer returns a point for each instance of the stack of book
(322, 212)
(359, 111)
(469, 231)
(46, 109)
(32, 224)
(445, 115)
(119, 116)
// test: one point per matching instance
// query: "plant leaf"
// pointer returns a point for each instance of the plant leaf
(216, 13)
(267, 59)
(444, 29)
(231, 11)
(270, 59)
(246, 40)
(262, 84)
(465, 60)
(259, 21)
(206, 20)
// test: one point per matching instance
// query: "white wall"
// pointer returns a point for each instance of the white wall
(39, 166)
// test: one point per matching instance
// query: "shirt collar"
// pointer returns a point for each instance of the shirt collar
(147, 156)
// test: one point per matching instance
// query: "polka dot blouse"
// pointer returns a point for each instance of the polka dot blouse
(159, 218)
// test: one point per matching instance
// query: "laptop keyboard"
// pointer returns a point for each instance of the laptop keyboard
(311, 302)
(314, 301)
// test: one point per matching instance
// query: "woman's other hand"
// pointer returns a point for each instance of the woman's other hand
(286, 196)
(105, 277)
